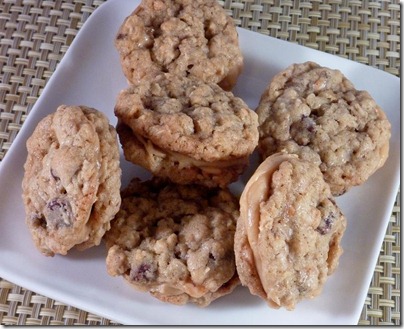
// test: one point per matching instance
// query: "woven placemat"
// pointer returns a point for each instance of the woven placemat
(35, 34)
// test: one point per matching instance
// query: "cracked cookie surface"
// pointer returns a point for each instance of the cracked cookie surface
(175, 241)
(183, 37)
(316, 112)
(186, 130)
(288, 236)
(72, 179)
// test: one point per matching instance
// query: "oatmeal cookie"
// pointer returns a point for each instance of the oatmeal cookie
(175, 241)
(71, 185)
(186, 130)
(317, 113)
(288, 235)
(183, 37)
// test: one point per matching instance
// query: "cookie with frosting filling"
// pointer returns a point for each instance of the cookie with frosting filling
(288, 236)
(186, 130)
(317, 113)
(71, 184)
(175, 241)
(182, 37)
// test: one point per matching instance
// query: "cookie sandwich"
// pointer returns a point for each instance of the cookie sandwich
(72, 179)
(317, 113)
(288, 236)
(182, 37)
(186, 130)
(175, 241)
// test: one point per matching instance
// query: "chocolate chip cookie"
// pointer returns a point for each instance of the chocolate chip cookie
(288, 235)
(186, 130)
(316, 112)
(183, 37)
(175, 241)
(71, 185)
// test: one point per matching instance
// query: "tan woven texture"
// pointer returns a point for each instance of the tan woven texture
(35, 34)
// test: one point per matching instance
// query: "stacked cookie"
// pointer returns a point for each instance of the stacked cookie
(175, 119)
(174, 235)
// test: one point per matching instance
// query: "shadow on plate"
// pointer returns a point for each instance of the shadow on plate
(240, 297)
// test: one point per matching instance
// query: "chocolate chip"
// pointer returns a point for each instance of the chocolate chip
(308, 123)
(38, 220)
(121, 36)
(58, 213)
(326, 224)
(144, 272)
(303, 130)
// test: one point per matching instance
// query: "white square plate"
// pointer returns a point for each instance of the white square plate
(90, 74)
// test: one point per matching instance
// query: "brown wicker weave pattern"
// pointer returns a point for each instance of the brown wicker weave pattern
(364, 31)
(35, 34)
(382, 305)
(34, 37)
(19, 306)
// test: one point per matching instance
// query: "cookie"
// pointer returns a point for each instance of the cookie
(183, 37)
(186, 130)
(175, 241)
(108, 194)
(317, 113)
(288, 236)
(71, 184)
